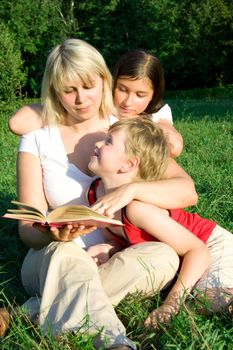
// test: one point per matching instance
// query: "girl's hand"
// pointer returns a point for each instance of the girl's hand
(64, 234)
(115, 200)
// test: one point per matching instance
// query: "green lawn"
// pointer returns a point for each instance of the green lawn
(205, 119)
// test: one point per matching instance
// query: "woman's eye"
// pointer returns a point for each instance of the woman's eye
(87, 87)
(68, 91)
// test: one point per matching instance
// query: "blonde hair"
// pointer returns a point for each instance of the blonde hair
(147, 141)
(73, 58)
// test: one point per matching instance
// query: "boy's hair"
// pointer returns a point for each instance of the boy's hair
(147, 141)
(138, 64)
(73, 58)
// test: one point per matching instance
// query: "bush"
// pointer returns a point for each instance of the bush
(12, 77)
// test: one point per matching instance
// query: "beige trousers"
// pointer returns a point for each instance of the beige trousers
(69, 292)
(219, 274)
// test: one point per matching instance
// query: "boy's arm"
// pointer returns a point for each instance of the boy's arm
(26, 119)
(157, 222)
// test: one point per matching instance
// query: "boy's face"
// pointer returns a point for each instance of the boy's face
(109, 154)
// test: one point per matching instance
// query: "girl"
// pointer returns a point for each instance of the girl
(139, 88)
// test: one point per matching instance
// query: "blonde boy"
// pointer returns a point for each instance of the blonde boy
(135, 149)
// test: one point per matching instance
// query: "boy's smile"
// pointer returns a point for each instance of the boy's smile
(109, 155)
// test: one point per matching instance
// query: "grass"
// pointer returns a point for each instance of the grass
(205, 119)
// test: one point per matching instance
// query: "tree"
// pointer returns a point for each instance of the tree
(12, 76)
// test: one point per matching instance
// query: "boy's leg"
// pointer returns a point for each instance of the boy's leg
(214, 290)
(146, 267)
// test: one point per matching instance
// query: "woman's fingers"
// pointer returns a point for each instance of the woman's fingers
(66, 233)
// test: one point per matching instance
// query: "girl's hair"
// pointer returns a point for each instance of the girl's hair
(73, 58)
(138, 64)
(147, 141)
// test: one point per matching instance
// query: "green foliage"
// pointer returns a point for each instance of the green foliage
(12, 77)
(192, 39)
(39, 25)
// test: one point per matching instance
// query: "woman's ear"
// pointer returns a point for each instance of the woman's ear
(130, 165)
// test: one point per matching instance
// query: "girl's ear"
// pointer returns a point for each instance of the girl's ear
(130, 165)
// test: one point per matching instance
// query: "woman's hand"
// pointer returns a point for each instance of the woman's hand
(115, 200)
(64, 234)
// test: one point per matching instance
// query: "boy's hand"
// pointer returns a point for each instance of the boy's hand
(164, 313)
(100, 253)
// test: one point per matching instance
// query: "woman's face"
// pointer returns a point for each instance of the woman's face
(82, 101)
(131, 97)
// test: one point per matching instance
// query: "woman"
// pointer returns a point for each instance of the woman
(53, 171)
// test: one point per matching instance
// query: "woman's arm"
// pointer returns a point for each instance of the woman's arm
(174, 137)
(175, 190)
(157, 222)
(26, 119)
(30, 191)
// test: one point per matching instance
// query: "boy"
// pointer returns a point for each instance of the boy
(136, 149)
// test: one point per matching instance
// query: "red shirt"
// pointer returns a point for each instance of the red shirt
(200, 227)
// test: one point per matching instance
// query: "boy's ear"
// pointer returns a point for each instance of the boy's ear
(130, 165)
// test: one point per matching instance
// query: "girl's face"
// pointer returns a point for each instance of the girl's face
(82, 101)
(131, 97)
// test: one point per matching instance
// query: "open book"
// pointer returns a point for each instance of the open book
(61, 216)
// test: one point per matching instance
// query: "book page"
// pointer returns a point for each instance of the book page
(28, 208)
(75, 213)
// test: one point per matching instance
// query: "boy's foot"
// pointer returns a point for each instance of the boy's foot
(5, 319)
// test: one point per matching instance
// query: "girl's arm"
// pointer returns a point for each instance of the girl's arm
(30, 191)
(26, 119)
(175, 190)
(157, 222)
(174, 137)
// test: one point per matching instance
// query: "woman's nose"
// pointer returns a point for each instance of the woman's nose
(80, 96)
